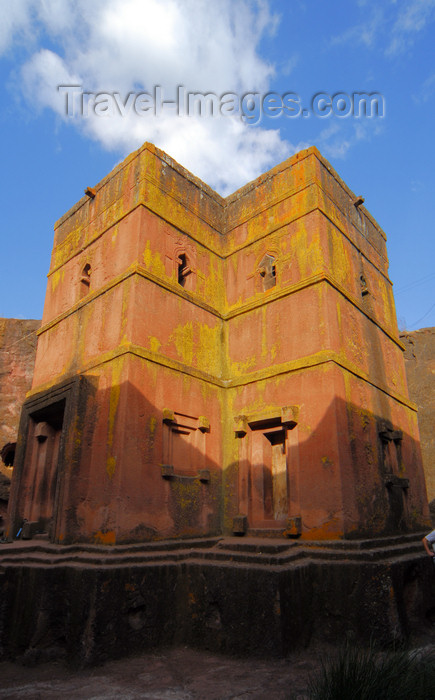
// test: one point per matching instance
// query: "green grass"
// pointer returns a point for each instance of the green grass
(368, 674)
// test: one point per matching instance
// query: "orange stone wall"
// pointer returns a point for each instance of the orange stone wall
(17, 357)
(420, 373)
(220, 365)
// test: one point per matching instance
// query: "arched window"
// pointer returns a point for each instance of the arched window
(184, 269)
(267, 271)
(7, 454)
(85, 280)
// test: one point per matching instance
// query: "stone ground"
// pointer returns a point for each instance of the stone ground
(173, 674)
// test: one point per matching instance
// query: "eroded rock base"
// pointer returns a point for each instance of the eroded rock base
(243, 596)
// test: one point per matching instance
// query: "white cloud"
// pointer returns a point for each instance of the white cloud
(389, 24)
(426, 91)
(132, 45)
(221, 150)
(41, 77)
(339, 137)
(365, 32)
(15, 22)
(410, 20)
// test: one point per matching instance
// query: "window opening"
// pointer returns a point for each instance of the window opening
(85, 280)
(184, 444)
(8, 454)
(364, 288)
(267, 271)
(184, 269)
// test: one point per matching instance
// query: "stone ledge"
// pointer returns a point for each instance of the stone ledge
(246, 551)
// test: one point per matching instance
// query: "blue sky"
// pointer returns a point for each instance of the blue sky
(305, 47)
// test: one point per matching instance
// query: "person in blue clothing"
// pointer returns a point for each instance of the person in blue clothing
(428, 543)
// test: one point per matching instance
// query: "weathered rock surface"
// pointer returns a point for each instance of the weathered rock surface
(5, 484)
(87, 604)
(181, 674)
(17, 358)
(420, 372)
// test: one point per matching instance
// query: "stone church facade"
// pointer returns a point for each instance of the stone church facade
(212, 366)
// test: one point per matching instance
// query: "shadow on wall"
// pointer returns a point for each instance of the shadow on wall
(5, 485)
(85, 475)
(106, 466)
(364, 481)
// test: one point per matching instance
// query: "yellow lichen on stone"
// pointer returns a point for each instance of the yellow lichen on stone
(214, 284)
(115, 392)
(182, 337)
(56, 278)
(153, 261)
(208, 350)
(124, 311)
(154, 343)
(264, 334)
(237, 369)
(327, 462)
(340, 266)
(111, 466)
(64, 250)
(273, 351)
(108, 537)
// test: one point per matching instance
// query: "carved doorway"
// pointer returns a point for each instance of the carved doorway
(41, 466)
(268, 492)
